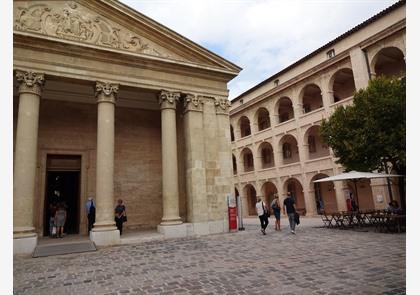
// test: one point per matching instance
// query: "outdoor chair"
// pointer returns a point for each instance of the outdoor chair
(327, 220)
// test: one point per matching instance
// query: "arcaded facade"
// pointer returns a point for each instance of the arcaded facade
(110, 104)
(276, 146)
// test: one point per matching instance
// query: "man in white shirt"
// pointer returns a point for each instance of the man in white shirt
(262, 210)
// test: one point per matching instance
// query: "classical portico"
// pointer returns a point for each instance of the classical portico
(110, 104)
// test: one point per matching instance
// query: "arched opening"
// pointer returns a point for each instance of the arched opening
(293, 186)
(235, 167)
(263, 118)
(245, 126)
(248, 160)
(316, 147)
(267, 155)
(325, 197)
(343, 84)
(285, 109)
(311, 98)
(251, 199)
(289, 149)
(232, 134)
(269, 192)
(364, 194)
(389, 62)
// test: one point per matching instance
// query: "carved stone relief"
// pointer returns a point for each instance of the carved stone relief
(222, 105)
(192, 103)
(30, 82)
(74, 22)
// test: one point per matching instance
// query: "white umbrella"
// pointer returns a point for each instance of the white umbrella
(355, 176)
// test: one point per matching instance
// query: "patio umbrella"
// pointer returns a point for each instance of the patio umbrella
(355, 176)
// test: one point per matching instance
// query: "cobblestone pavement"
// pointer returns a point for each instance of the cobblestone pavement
(314, 261)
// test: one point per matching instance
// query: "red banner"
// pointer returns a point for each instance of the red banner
(233, 225)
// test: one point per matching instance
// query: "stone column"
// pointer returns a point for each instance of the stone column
(170, 191)
(223, 181)
(105, 231)
(195, 164)
(360, 68)
(24, 236)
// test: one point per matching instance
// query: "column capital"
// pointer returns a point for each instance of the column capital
(105, 91)
(222, 106)
(30, 82)
(168, 99)
(193, 103)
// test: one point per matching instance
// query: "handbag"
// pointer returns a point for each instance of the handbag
(54, 230)
(124, 219)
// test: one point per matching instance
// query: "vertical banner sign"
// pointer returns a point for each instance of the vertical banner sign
(233, 225)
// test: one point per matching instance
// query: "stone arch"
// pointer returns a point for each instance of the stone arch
(232, 134)
(389, 62)
(289, 149)
(316, 147)
(325, 195)
(262, 117)
(284, 108)
(234, 165)
(269, 192)
(342, 84)
(247, 159)
(265, 151)
(251, 199)
(244, 126)
(311, 98)
(295, 188)
(364, 194)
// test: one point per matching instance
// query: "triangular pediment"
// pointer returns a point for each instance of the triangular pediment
(110, 24)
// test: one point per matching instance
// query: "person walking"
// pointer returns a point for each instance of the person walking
(289, 207)
(275, 205)
(120, 215)
(90, 212)
(60, 219)
(262, 212)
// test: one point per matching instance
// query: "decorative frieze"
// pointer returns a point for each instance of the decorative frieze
(105, 91)
(193, 103)
(168, 100)
(30, 82)
(222, 106)
(74, 22)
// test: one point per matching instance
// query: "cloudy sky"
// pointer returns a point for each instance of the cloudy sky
(260, 36)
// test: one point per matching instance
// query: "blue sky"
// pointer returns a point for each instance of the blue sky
(261, 36)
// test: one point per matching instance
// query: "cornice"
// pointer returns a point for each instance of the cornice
(155, 27)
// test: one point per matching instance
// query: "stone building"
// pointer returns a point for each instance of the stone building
(276, 145)
(111, 104)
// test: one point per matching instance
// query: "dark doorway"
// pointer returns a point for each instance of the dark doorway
(63, 187)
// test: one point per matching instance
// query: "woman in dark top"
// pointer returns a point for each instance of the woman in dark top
(120, 215)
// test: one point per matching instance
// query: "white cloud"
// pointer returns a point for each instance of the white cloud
(262, 36)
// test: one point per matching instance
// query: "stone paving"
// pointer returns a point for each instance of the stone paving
(314, 261)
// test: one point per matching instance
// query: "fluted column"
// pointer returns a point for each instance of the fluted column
(105, 231)
(170, 194)
(30, 85)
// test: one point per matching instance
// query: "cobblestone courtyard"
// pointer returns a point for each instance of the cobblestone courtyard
(314, 261)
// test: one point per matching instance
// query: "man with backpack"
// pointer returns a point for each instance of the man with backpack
(289, 207)
(91, 213)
